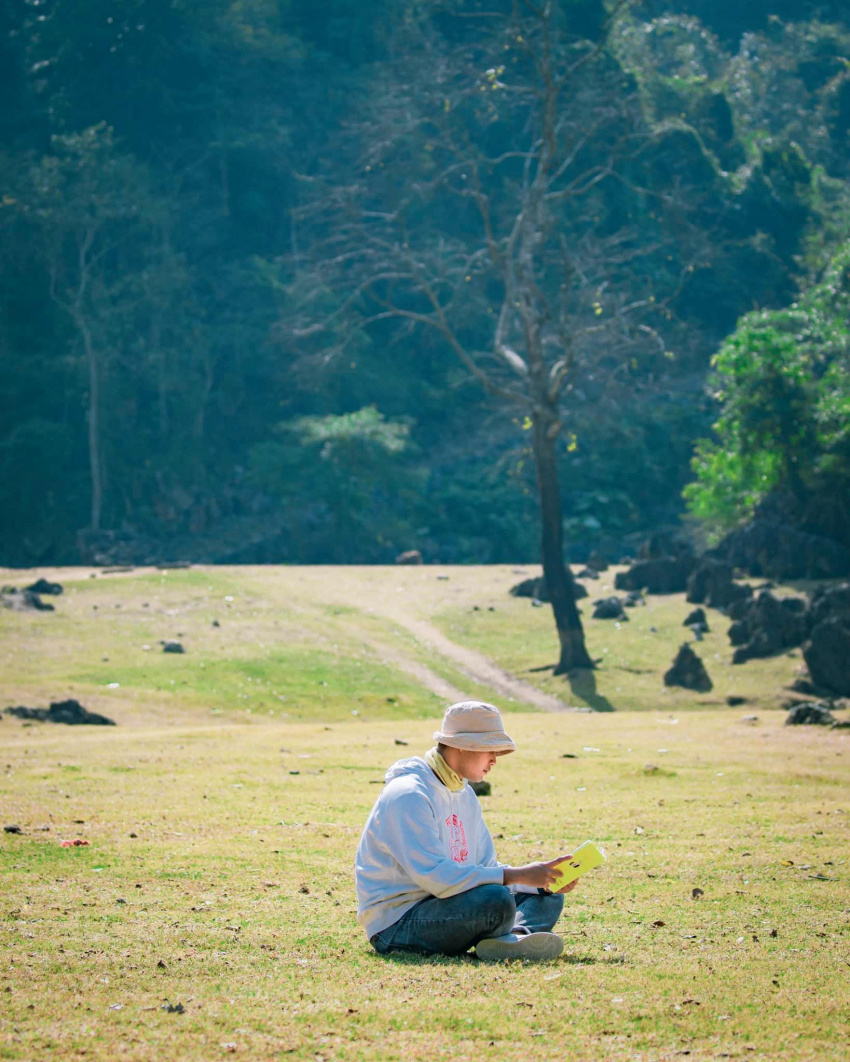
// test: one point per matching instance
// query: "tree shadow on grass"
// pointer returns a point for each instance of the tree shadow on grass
(583, 684)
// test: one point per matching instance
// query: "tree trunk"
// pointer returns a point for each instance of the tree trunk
(558, 577)
(159, 354)
(94, 423)
(209, 380)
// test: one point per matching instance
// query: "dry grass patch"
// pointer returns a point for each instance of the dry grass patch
(632, 656)
(257, 643)
(294, 641)
(234, 897)
(223, 812)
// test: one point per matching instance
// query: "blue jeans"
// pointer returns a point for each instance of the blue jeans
(453, 926)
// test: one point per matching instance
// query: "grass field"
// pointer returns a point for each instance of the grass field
(221, 836)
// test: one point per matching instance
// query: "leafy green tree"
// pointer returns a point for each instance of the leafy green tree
(783, 384)
(730, 19)
(345, 476)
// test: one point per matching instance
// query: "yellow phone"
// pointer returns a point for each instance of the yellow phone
(586, 857)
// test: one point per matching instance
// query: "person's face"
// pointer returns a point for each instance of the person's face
(474, 765)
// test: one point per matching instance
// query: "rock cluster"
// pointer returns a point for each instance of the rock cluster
(42, 586)
(768, 547)
(688, 671)
(661, 575)
(70, 712)
(767, 626)
(712, 584)
(20, 600)
(827, 652)
(810, 714)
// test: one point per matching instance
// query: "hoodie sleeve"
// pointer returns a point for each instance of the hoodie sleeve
(411, 834)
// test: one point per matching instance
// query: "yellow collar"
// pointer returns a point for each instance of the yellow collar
(451, 779)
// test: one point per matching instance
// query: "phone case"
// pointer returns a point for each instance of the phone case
(586, 857)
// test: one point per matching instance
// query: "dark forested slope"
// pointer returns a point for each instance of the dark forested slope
(162, 174)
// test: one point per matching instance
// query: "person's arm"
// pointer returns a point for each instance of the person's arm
(525, 878)
(538, 875)
(410, 831)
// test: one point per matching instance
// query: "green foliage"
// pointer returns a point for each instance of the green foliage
(729, 19)
(751, 130)
(342, 482)
(786, 85)
(783, 385)
(184, 141)
(679, 65)
(348, 439)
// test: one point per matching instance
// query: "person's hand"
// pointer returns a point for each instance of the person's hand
(538, 875)
(568, 888)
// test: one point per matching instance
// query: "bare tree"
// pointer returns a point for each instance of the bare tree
(494, 182)
(88, 206)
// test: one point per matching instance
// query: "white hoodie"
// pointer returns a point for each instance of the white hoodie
(421, 840)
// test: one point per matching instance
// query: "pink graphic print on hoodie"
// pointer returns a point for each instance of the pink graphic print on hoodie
(458, 849)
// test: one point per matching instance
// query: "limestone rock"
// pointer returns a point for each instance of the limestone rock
(19, 600)
(42, 586)
(697, 618)
(831, 601)
(663, 575)
(69, 712)
(810, 714)
(768, 626)
(609, 608)
(827, 655)
(536, 589)
(712, 584)
(688, 671)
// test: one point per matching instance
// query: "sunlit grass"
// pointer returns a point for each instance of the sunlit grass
(222, 836)
(245, 651)
(239, 881)
(631, 656)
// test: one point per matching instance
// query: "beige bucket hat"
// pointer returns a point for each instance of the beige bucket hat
(474, 726)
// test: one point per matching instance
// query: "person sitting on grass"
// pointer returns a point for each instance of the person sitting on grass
(427, 876)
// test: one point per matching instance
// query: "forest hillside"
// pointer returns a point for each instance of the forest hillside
(252, 298)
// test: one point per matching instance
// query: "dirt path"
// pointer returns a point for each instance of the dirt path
(423, 675)
(472, 663)
(405, 597)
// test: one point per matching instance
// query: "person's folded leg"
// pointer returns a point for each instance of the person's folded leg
(535, 913)
(530, 937)
(451, 926)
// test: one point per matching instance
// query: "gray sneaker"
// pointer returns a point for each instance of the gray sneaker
(536, 947)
